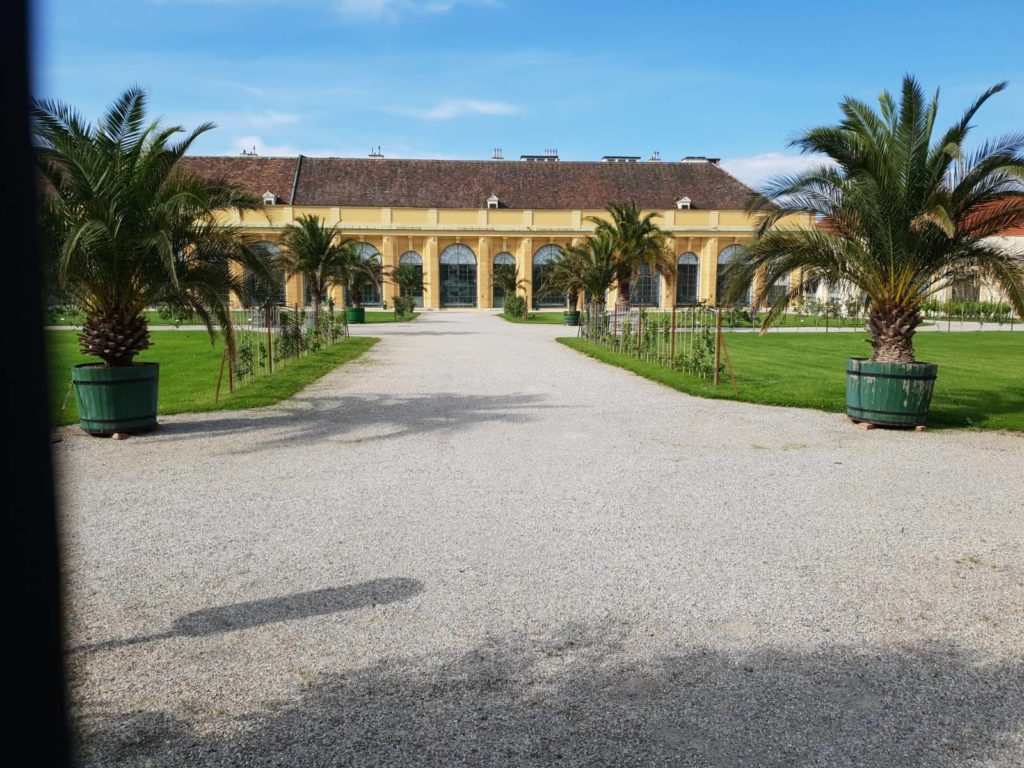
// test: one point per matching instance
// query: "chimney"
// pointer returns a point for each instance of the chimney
(376, 153)
(497, 154)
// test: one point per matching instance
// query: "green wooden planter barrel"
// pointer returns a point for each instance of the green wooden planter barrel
(571, 318)
(119, 399)
(889, 394)
(355, 315)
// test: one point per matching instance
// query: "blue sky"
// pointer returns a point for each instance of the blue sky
(456, 78)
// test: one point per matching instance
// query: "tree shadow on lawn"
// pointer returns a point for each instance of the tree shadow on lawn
(962, 408)
(578, 698)
(256, 613)
(313, 417)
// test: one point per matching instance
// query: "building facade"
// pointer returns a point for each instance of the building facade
(457, 219)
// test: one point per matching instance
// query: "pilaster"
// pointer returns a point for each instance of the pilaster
(484, 266)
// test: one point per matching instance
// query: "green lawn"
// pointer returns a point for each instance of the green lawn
(980, 384)
(543, 318)
(188, 373)
(384, 316)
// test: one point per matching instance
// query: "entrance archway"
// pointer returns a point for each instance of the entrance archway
(458, 276)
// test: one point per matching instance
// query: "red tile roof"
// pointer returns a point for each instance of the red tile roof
(468, 183)
(255, 175)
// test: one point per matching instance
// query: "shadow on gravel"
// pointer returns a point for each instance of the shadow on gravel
(256, 613)
(370, 417)
(579, 699)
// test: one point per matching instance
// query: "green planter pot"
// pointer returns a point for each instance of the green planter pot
(889, 394)
(116, 399)
(355, 315)
(571, 318)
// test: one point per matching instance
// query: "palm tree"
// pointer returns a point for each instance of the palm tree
(126, 226)
(315, 251)
(362, 274)
(638, 242)
(592, 268)
(408, 278)
(506, 277)
(902, 214)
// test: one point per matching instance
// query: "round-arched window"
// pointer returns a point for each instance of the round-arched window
(541, 267)
(413, 262)
(645, 287)
(504, 266)
(366, 252)
(726, 258)
(458, 276)
(688, 279)
(260, 293)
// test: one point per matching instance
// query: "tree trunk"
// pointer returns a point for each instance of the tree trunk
(892, 331)
(115, 338)
(597, 319)
(622, 301)
(316, 310)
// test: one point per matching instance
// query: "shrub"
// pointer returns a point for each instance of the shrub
(404, 305)
(515, 307)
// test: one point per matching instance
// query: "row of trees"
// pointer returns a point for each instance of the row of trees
(325, 259)
(904, 215)
(623, 243)
(125, 227)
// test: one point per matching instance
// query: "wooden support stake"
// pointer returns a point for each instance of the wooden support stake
(718, 346)
(728, 363)
(672, 340)
(220, 375)
(270, 340)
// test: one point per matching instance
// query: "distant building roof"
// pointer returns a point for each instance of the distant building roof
(468, 183)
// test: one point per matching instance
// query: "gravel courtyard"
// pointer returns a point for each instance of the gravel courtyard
(477, 547)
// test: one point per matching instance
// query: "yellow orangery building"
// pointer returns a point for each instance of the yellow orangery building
(458, 218)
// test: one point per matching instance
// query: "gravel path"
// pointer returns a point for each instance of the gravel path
(477, 547)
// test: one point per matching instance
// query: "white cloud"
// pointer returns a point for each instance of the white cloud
(249, 143)
(756, 169)
(449, 108)
(396, 10)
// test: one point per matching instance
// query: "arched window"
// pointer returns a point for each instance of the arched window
(458, 276)
(968, 289)
(688, 279)
(777, 290)
(504, 261)
(809, 289)
(728, 255)
(645, 287)
(371, 293)
(415, 261)
(260, 294)
(541, 267)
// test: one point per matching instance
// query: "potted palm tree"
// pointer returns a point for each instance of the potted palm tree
(638, 242)
(596, 264)
(360, 275)
(902, 215)
(126, 227)
(565, 276)
(315, 251)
